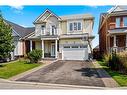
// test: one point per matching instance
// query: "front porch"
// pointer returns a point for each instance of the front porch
(49, 47)
(117, 43)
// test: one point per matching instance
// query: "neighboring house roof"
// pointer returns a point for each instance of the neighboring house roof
(115, 9)
(97, 47)
(21, 31)
(77, 16)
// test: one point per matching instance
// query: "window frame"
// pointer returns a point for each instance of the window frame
(75, 26)
(116, 25)
(124, 23)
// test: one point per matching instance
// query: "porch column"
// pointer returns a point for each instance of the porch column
(126, 40)
(55, 48)
(114, 41)
(42, 45)
(30, 45)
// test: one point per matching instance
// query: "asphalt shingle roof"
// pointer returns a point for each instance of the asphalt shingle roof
(76, 16)
(22, 31)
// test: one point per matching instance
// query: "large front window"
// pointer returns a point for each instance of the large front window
(117, 22)
(125, 21)
(75, 26)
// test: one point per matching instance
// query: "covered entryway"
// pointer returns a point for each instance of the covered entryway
(75, 53)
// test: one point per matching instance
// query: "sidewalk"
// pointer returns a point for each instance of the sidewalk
(106, 78)
(6, 84)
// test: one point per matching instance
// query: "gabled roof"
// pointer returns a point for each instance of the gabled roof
(113, 10)
(117, 9)
(47, 13)
(21, 31)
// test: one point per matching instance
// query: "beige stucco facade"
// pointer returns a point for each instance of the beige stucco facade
(56, 33)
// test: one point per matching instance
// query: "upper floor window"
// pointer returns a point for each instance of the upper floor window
(71, 26)
(43, 29)
(124, 21)
(75, 26)
(117, 22)
(79, 26)
(53, 30)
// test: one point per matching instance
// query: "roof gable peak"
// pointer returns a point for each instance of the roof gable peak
(47, 13)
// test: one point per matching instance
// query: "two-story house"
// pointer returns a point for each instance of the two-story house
(63, 37)
(113, 30)
(19, 34)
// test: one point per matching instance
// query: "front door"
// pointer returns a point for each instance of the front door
(53, 49)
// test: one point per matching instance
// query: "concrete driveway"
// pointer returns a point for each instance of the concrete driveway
(66, 72)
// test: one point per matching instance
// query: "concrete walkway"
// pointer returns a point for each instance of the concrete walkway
(106, 78)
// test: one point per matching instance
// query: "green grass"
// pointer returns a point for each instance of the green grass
(14, 68)
(120, 78)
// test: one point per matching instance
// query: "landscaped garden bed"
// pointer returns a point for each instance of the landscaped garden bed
(16, 67)
(116, 66)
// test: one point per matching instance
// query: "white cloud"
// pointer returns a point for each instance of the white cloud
(93, 6)
(17, 9)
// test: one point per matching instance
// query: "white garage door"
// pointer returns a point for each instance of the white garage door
(75, 53)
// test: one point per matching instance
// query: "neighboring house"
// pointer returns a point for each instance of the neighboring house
(96, 52)
(63, 37)
(19, 33)
(113, 30)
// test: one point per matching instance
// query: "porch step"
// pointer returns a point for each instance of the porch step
(49, 59)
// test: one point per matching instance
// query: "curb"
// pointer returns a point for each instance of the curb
(59, 86)
(52, 85)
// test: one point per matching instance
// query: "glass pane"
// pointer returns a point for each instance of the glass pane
(75, 26)
(43, 28)
(53, 30)
(117, 22)
(79, 25)
(66, 46)
(125, 21)
(71, 26)
(74, 46)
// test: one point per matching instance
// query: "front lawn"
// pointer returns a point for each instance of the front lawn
(14, 68)
(120, 78)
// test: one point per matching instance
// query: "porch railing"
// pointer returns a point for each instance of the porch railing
(117, 49)
(50, 31)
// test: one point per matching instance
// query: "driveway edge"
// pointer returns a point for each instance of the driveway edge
(29, 71)
(106, 78)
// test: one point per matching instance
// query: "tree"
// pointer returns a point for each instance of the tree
(6, 39)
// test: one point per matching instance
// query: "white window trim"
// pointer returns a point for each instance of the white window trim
(116, 24)
(56, 30)
(74, 31)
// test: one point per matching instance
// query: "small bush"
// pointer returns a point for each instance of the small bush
(106, 58)
(116, 61)
(35, 55)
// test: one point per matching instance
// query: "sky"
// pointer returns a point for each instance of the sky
(26, 15)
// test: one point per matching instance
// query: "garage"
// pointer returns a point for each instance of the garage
(75, 52)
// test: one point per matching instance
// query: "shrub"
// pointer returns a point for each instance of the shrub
(123, 60)
(116, 61)
(106, 58)
(35, 55)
